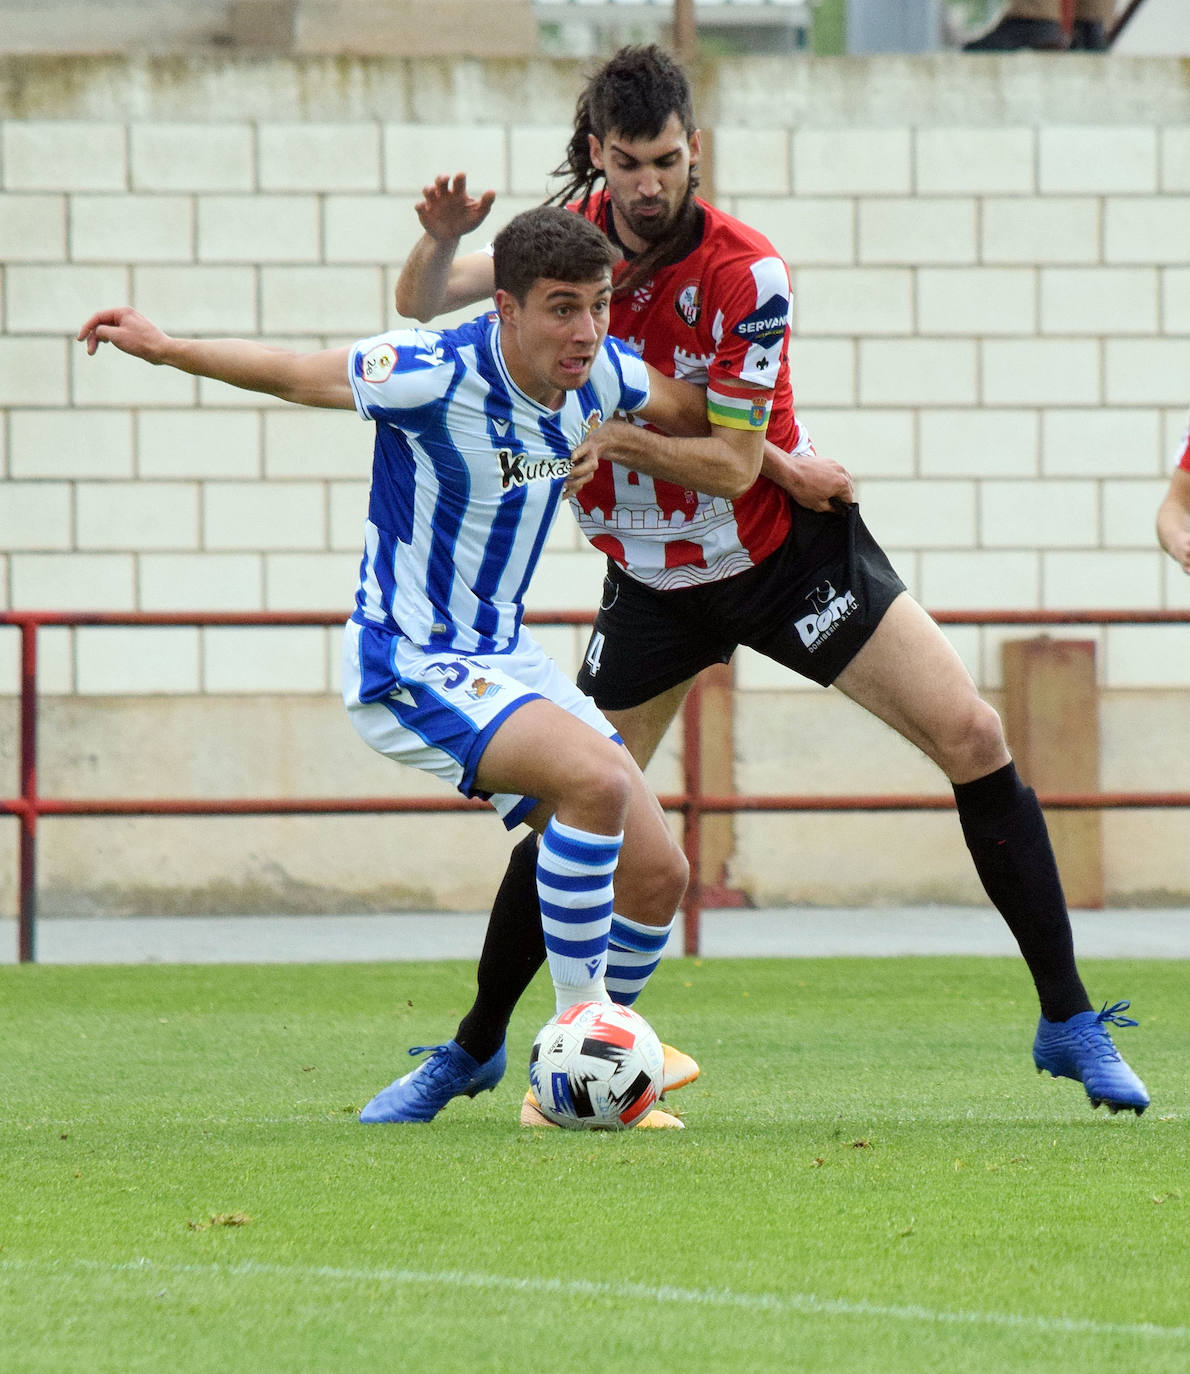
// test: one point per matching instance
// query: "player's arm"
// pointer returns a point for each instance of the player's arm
(1173, 519)
(309, 379)
(434, 278)
(723, 460)
(813, 481)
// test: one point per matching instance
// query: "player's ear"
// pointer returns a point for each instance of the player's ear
(507, 306)
(595, 151)
(695, 147)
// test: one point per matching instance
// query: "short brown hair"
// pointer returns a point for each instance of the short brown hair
(550, 243)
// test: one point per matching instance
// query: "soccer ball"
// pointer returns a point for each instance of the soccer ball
(597, 1067)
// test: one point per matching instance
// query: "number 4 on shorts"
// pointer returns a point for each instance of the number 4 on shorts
(594, 652)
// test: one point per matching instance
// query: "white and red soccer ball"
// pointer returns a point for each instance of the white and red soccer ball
(597, 1067)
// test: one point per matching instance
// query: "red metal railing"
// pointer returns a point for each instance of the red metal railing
(691, 803)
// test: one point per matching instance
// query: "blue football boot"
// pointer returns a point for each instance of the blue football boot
(1082, 1049)
(449, 1072)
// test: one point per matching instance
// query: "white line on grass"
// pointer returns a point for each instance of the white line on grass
(804, 1303)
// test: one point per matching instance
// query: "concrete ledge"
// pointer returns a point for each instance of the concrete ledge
(805, 932)
(869, 93)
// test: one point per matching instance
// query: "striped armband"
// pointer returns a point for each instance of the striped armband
(746, 409)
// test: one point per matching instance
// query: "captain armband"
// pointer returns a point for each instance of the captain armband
(746, 410)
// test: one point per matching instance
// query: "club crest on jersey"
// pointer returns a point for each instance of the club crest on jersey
(688, 303)
(377, 363)
(482, 689)
(766, 325)
(515, 471)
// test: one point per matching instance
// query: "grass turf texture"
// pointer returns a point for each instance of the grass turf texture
(872, 1178)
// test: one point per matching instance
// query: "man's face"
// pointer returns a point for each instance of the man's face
(647, 179)
(550, 339)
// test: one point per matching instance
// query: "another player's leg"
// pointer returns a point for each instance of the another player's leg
(910, 676)
(634, 948)
(475, 1060)
(513, 951)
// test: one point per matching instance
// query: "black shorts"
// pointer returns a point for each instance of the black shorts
(811, 605)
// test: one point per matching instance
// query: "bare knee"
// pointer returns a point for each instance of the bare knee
(652, 892)
(976, 745)
(598, 793)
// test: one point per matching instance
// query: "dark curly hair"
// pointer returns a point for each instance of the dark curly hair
(633, 94)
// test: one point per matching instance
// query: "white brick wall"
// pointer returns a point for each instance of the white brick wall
(191, 157)
(199, 300)
(58, 444)
(1100, 159)
(852, 162)
(33, 228)
(64, 155)
(319, 157)
(992, 332)
(131, 228)
(1061, 229)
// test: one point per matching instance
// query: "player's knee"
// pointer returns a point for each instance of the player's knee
(658, 891)
(976, 744)
(602, 790)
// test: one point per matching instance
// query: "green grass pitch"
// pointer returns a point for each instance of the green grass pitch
(873, 1178)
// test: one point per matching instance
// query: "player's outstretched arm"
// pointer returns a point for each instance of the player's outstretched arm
(434, 279)
(1173, 519)
(813, 481)
(310, 379)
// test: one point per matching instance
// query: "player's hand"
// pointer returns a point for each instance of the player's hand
(1180, 552)
(447, 212)
(128, 329)
(609, 442)
(824, 482)
(582, 469)
(812, 480)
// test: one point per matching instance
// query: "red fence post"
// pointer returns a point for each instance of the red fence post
(692, 815)
(27, 909)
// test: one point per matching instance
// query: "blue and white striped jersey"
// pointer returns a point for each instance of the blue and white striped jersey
(466, 479)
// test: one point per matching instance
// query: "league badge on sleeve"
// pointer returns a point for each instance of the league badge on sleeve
(377, 363)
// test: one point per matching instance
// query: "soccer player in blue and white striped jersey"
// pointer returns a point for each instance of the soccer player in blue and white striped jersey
(479, 433)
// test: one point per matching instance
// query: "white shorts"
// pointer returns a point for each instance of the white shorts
(437, 711)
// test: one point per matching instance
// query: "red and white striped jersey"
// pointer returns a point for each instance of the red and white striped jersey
(719, 317)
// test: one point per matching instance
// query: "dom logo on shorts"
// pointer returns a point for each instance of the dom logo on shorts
(830, 610)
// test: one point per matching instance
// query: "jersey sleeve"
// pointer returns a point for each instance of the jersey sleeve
(751, 330)
(621, 376)
(398, 371)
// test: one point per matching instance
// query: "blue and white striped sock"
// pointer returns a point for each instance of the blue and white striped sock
(574, 883)
(633, 952)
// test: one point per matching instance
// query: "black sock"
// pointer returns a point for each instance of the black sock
(513, 951)
(1006, 833)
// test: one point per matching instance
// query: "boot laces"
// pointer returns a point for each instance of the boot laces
(438, 1066)
(1097, 1035)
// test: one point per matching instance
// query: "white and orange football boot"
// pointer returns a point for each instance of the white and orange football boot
(532, 1115)
(680, 1069)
